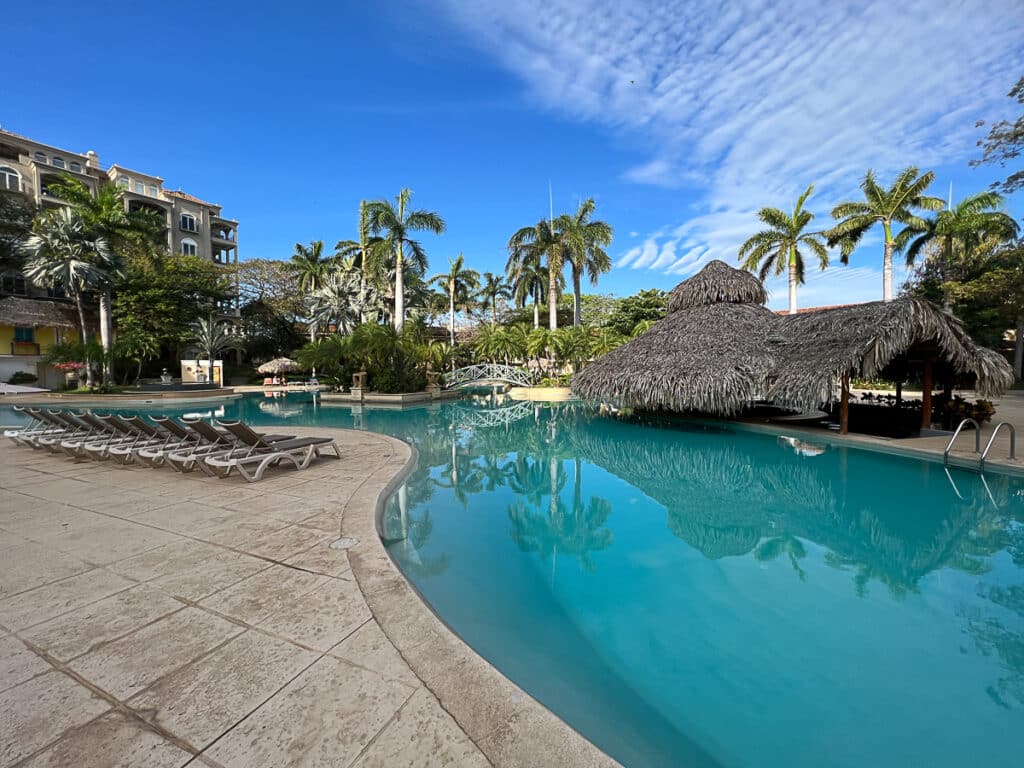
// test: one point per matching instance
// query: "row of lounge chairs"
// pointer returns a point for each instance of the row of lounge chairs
(185, 445)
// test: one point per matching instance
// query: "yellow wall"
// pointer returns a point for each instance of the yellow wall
(45, 338)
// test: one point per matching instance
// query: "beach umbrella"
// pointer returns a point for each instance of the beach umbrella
(279, 365)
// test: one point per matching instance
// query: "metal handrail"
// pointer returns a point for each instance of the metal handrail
(992, 439)
(977, 439)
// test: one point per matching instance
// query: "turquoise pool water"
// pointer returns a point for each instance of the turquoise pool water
(703, 597)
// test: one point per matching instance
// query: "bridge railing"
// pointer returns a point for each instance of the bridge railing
(482, 372)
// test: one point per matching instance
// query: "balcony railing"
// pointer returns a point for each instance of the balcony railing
(24, 348)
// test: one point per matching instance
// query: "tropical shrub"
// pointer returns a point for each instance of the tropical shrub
(23, 377)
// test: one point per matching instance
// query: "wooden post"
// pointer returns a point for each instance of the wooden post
(844, 405)
(926, 394)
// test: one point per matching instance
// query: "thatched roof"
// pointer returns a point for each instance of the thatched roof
(719, 349)
(36, 313)
(866, 338)
(717, 283)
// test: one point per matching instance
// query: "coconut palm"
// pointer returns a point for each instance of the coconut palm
(545, 243)
(778, 248)
(886, 206)
(528, 279)
(974, 220)
(106, 215)
(492, 288)
(459, 285)
(393, 224)
(310, 265)
(62, 252)
(213, 337)
(586, 240)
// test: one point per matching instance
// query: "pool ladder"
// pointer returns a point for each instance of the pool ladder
(977, 441)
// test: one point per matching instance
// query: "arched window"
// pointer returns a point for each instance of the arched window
(10, 179)
(188, 222)
(57, 162)
(40, 157)
(75, 166)
(124, 182)
(189, 247)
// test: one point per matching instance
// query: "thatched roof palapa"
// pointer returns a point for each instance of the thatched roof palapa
(719, 349)
(820, 346)
(36, 313)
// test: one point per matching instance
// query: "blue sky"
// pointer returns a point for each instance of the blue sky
(680, 119)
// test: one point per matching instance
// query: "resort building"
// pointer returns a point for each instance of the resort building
(31, 319)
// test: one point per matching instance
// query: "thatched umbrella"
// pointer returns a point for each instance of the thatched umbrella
(279, 365)
(713, 353)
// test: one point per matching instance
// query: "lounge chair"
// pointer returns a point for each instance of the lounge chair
(68, 427)
(259, 452)
(38, 426)
(124, 438)
(100, 433)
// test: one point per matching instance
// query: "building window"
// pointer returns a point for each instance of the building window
(25, 334)
(10, 179)
(56, 293)
(123, 181)
(188, 222)
(57, 162)
(140, 188)
(189, 247)
(76, 167)
(40, 157)
(12, 282)
(151, 190)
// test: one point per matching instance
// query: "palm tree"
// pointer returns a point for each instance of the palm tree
(528, 278)
(492, 289)
(105, 214)
(310, 265)
(359, 250)
(63, 253)
(542, 242)
(339, 302)
(459, 284)
(213, 337)
(586, 240)
(975, 219)
(393, 225)
(895, 205)
(778, 248)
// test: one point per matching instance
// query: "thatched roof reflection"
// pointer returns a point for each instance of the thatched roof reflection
(719, 349)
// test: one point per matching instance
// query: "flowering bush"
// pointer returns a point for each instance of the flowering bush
(66, 367)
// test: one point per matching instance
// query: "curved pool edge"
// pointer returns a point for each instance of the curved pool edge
(508, 725)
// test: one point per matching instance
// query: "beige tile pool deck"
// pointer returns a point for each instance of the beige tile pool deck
(152, 619)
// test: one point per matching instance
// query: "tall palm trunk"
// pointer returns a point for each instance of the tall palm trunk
(887, 263)
(577, 309)
(84, 331)
(106, 333)
(536, 310)
(494, 310)
(451, 314)
(399, 289)
(792, 282)
(552, 297)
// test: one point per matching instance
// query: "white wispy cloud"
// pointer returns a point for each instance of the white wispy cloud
(746, 104)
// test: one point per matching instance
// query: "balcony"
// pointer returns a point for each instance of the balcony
(24, 348)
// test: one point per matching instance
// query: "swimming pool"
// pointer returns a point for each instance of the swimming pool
(698, 596)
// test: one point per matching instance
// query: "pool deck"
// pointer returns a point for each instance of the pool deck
(152, 619)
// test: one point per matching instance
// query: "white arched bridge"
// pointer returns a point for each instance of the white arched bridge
(487, 373)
